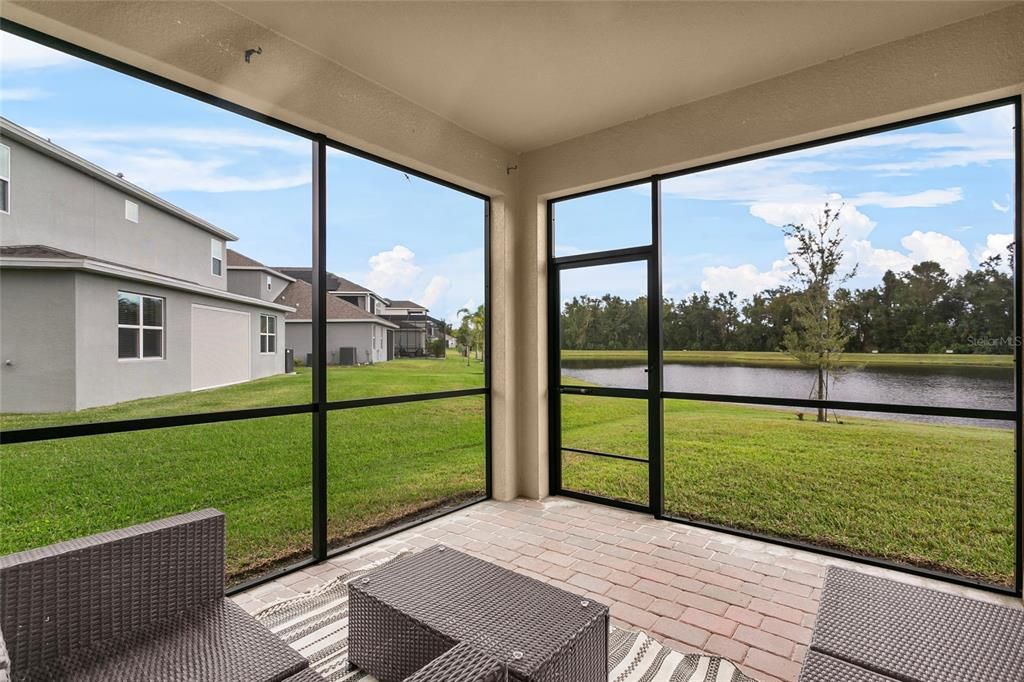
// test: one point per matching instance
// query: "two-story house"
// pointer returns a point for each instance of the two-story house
(356, 331)
(417, 330)
(109, 293)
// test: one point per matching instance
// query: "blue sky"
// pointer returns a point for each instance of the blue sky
(940, 191)
(400, 235)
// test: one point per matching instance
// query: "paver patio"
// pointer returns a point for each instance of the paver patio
(694, 589)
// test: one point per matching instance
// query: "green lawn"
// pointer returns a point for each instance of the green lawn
(939, 496)
(385, 463)
(933, 495)
(760, 359)
(343, 383)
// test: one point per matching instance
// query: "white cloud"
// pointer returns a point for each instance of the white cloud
(984, 136)
(18, 54)
(176, 137)
(927, 199)
(393, 271)
(938, 247)
(197, 159)
(158, 170)
(954, 158)
(1000, 207)
(440, 285)
(745, 280)
(876, 261)
(22, 94)
(995, 245)
(853, 223)
(436, 290)
(769, 180)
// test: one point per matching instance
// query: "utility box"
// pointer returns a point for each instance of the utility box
(289, 361)
(347, 356)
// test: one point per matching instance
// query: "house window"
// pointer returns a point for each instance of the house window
(140, 326)
(268, 334)
(5, 179)
(131, 211)
(216, 257)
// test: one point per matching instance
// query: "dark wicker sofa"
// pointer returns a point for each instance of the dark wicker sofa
(142, 603)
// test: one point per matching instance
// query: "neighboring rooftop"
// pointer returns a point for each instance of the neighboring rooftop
(239, 261)
(41, 256)
(37, 251)
(13, 131)
(299, 295)
(335, 283)
(402, 303)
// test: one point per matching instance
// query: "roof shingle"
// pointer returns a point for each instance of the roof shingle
(299, 295)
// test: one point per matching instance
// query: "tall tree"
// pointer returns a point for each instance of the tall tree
(817, 336)
(470, 333)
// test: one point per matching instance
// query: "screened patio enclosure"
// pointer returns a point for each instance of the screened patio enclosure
(607, 233)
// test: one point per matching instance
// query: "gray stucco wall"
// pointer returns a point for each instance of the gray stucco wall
(339, 334)
(37, 336)
(104, 379)
(55, 205)
(60, 330)
(253, 283)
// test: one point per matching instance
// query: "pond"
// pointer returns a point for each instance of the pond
(950, 386)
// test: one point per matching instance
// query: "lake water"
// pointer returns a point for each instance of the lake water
(974, 387)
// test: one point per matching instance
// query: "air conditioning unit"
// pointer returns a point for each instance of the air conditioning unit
(347, 356)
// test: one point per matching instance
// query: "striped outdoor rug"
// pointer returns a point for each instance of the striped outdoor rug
(316, 625)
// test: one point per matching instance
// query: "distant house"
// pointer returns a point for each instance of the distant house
(354, 335)
(109, 293)
(417, 329)
(412, 328)
(342, 288)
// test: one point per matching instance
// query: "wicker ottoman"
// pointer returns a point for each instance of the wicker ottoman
(415, 609)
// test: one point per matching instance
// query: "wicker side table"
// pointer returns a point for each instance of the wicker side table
(461, 663)
(408, 613)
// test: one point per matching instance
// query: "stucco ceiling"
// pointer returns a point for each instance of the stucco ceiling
(528, 74)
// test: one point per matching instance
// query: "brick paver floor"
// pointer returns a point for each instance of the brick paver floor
(693, 589)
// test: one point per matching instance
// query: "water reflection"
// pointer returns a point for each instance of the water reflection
(959, 386)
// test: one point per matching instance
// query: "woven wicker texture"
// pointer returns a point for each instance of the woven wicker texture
(307, 675)
(76, 594)
(218, 641)
(142, 603)
(462, 663)
(915, 634)
(818, 667)
(412, 610)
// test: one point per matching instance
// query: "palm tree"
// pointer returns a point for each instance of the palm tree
(471, 332)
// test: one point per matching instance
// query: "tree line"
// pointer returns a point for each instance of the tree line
(922, 310)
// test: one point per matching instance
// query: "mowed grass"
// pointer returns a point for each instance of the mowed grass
(938, 496)
(385, 464)
(779, 359)
(932, 495)
(343, 383)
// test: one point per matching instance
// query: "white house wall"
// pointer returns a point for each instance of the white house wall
(37, 341)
